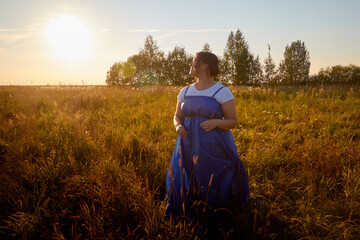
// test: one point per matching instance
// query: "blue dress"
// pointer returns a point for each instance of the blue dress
(205, 166)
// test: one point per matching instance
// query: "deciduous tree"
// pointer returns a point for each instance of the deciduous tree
(176, 69)
(121, 73)
(256, 73)
(150, 58)
(295, 67)
(112, 75)
(240, 66)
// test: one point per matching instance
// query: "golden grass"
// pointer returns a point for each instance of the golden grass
(90, 163)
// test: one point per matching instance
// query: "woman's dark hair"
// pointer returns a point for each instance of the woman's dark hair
(211, 60)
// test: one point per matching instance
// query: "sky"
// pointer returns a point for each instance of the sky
(76, 42)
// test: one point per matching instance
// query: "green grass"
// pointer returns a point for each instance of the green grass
(90, 163)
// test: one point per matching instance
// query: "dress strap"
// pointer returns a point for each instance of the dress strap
(186, 91)
(217, 91)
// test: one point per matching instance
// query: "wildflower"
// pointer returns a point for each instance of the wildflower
(195, 159)
(211, 178)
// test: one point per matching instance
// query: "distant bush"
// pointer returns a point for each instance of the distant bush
(338, 75)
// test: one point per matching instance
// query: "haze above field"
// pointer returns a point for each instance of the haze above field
(76, 42)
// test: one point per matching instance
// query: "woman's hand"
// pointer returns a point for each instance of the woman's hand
(181, 131)
(209, 124)
(230, 121)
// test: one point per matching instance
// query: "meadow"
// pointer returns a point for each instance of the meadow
(90, 163)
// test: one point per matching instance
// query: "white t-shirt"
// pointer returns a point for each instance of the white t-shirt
(221, 96)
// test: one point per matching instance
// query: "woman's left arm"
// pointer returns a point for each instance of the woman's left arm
(230, 121)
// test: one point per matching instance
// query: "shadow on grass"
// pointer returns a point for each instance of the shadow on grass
(255, 221)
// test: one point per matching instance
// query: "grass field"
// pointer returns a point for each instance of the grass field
(90, 163)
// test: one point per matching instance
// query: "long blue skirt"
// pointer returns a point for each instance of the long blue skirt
(205, 166)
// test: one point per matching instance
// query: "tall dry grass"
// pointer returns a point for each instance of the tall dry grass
(90, 163)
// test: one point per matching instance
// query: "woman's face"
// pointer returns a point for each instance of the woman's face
(195, 66)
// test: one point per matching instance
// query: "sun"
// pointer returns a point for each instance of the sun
(69, 38)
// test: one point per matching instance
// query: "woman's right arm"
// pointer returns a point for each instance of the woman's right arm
(178, 117)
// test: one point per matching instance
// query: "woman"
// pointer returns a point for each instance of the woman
(205, 165)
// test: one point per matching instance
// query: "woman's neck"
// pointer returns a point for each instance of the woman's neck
(203, 83)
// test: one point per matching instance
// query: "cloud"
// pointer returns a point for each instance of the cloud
(180, 30)
(9, 36)
(167, 33)
(104, 30)
(33, 27)
(29, 28)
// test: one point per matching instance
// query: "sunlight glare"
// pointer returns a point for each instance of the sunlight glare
(69, 38)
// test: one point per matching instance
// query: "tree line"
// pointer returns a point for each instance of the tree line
(150, 66)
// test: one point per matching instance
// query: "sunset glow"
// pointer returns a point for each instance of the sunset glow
(69, 38)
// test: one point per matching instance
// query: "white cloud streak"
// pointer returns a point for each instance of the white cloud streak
(167, 33)
(104, 30)
(9, 36)
(181, 30)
